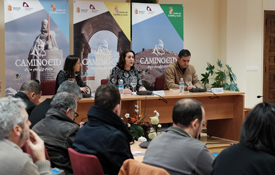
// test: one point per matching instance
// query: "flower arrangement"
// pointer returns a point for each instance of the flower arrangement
(141, 130)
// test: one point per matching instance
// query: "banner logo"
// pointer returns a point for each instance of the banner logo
(136, 11)
(159, 48)
(77, 9)
(53, 7)
(92, 7)
(148, 8)
(18, 76)
(116, 10)
(25, 4)
(9, 8)
(170, 10)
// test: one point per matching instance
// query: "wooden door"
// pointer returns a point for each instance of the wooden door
(269, 56)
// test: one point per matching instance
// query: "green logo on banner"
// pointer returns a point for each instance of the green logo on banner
(175, 14)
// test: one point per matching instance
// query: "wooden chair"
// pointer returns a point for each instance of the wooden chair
(48, 87)
(104, 81)
(131, 166)
(84, 164)
(159, 83)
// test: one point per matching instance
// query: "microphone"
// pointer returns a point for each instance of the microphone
(260, 96)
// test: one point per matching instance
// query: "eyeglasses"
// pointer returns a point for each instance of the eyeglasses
(75, 114)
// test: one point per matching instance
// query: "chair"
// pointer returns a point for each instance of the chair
(159, 83)
(27, 149)
(84, 164)
(104, 81)
(48, 87)
(131, 166)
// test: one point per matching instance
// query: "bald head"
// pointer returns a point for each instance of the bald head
(187, 110)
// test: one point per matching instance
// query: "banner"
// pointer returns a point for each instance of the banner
(101, 33)
(157, 38)
(36, 40)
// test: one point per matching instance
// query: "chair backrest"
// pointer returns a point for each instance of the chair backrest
(27, 149)
(84, 164)
(48, 87)
(159, 83)
(104, 81)
(131, 166)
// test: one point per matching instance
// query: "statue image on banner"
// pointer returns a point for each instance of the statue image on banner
(45, 59)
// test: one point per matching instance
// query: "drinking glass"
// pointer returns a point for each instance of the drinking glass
(133, 81)
(188, 80)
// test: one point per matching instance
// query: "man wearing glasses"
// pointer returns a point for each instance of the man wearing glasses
(58, 129)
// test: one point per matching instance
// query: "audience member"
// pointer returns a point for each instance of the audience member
(105, 135)
(71, 71)
(126, 71)
(255, 154)
(14, 133)
(177, 150)
(39, 112)
(180, 69)
(58, 129)
(30, 92)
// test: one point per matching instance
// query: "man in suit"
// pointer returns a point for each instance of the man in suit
(30, 92)
(14, 133)
(181, 69)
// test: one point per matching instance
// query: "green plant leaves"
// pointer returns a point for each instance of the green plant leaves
(136, 130)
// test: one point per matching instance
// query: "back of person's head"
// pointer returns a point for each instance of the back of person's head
(10, 115)
(121, 62)
(184, 53)
(63, 101)
(258, 130)
(31, 86)
(187, 110)
(70, 61)
(107, 96)
(71, 87)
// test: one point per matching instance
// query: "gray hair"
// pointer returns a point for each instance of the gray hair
(31, 86)
(71, 87)
(10, 115)
(64, 100)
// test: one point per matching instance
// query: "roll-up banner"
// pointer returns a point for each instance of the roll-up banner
(36, 40)
(101, 33)
(157, 38)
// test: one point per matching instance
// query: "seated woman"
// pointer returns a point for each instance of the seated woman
(71, 71)
(126, 71)
(255, 154)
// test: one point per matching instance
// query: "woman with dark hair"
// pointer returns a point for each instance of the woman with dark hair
(255, 154)
(126, 71)
(71, 71)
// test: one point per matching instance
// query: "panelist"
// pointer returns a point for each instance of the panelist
(71, 72)
(126, 71)
(181, 69)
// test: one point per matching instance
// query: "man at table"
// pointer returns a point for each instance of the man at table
(177, 150)
(181, 69)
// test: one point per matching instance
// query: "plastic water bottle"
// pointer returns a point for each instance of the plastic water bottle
(120, 86)
(181, 85)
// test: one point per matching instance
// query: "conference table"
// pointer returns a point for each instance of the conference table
(224, 111)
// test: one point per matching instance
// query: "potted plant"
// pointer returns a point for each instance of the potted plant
(223, 77)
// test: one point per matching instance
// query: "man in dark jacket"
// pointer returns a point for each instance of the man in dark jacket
(58, 130)
(30, 92)
(39, 112)
(105, 135)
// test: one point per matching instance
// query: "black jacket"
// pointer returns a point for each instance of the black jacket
(39, 112)
(58, 132)
(106, 137)
(25, 98)
(63, 76)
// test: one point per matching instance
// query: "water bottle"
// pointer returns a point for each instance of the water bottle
(120, 86)
(181, 85)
